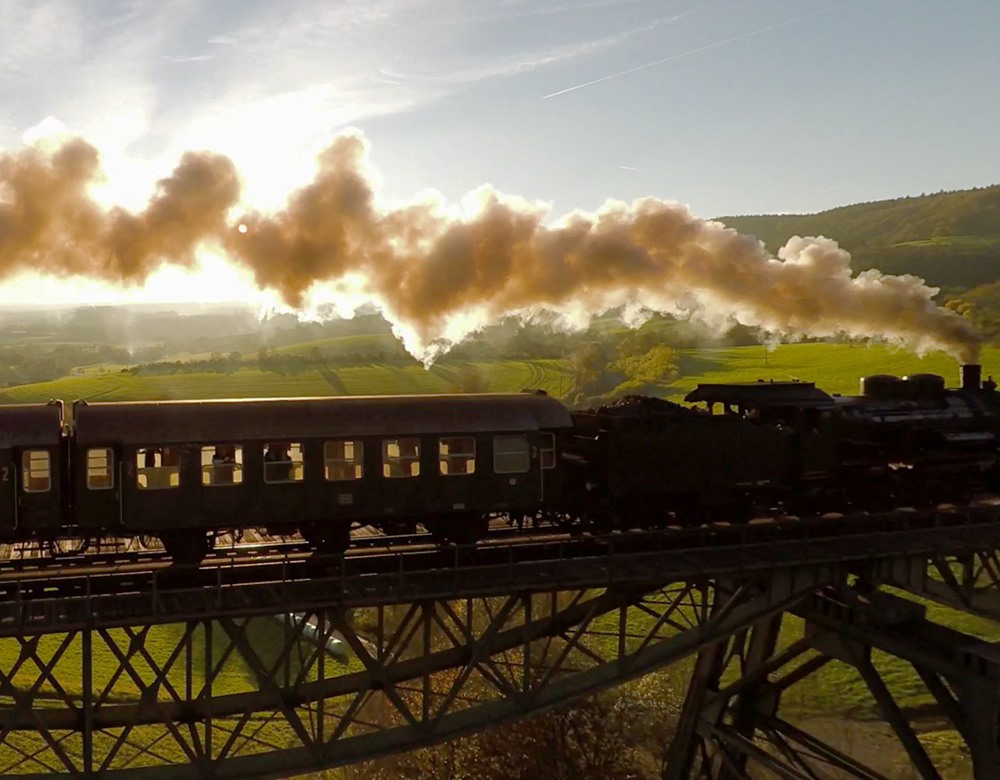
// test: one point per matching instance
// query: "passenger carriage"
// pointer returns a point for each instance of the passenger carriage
(317, 465)
(32, 454)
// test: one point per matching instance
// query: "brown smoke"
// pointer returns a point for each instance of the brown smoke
(48, 222)
(430, 272)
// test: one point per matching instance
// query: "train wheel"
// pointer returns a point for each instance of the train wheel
(465, 529)
(333, 538)
(187, 547)
(149, 542)
(59, 547)
(398, 528)
(564, 522)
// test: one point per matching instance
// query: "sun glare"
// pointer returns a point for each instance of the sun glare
(214, 280)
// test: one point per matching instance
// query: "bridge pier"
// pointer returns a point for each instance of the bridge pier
(729, 727)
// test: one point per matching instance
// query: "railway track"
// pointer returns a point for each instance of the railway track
(77, 597)
(370, 552)
(24, 557)
(247, 566)
(250, 556)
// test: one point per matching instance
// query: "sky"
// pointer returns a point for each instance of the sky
(728, 106)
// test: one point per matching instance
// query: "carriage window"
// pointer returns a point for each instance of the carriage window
(35, 465)
(283, 462)
(344, 460)
(157, 468)
(100, 468)
(548, 451)
(511, 454)
(401, 457)
(457, 455)
(222, 464)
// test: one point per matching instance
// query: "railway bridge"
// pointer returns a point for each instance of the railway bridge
(130, 667)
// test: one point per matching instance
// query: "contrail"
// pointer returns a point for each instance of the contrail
(700, 49)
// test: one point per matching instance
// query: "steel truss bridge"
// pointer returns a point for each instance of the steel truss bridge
(232, 669)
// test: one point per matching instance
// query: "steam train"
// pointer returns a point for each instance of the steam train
(183, 472)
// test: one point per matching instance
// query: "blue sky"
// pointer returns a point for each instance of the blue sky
(768, 105)
(730, 106)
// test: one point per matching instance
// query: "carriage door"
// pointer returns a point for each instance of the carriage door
(38, 504)
(98, 490)
(8, 492)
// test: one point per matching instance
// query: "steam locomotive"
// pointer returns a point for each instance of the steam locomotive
(756, 449)
(183, 472)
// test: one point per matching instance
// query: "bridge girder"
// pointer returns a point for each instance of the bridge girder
(421, 673)
(206, 681)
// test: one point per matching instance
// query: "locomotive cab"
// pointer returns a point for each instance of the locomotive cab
(801, 412)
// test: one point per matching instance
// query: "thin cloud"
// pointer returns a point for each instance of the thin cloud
(630, 168)
(192, 58)
(33, 37)
(524, 62)
(512, 65)
(698, 50)
(523, 10)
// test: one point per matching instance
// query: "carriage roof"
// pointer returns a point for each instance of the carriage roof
(26, 425)
(303, 418)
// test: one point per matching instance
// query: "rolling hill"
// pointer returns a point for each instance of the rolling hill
(951, 239)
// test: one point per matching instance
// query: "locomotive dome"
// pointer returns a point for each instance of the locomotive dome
(882, 386)
(925, 385)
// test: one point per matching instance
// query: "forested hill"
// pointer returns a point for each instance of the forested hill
(952, 239)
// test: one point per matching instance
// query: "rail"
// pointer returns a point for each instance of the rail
(39, 603)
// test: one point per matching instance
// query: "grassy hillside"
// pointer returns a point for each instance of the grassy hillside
(375, 379)
(957, 216)
(952, 239)
(836, 368)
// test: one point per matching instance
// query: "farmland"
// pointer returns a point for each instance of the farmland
(834, 367)
(374, 379)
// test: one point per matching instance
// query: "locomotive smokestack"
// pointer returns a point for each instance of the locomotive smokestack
(972, 376)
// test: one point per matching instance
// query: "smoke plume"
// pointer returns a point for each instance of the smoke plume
(439, 277)
(49, 223)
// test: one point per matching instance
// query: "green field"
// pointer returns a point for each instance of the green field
(836, 368)
(365, 343)
(375, 379)
(976, 242)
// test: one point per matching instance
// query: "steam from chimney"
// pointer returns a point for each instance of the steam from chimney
(440, 277)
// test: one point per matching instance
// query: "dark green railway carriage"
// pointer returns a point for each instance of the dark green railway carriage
(319, 465)
(32, 454)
